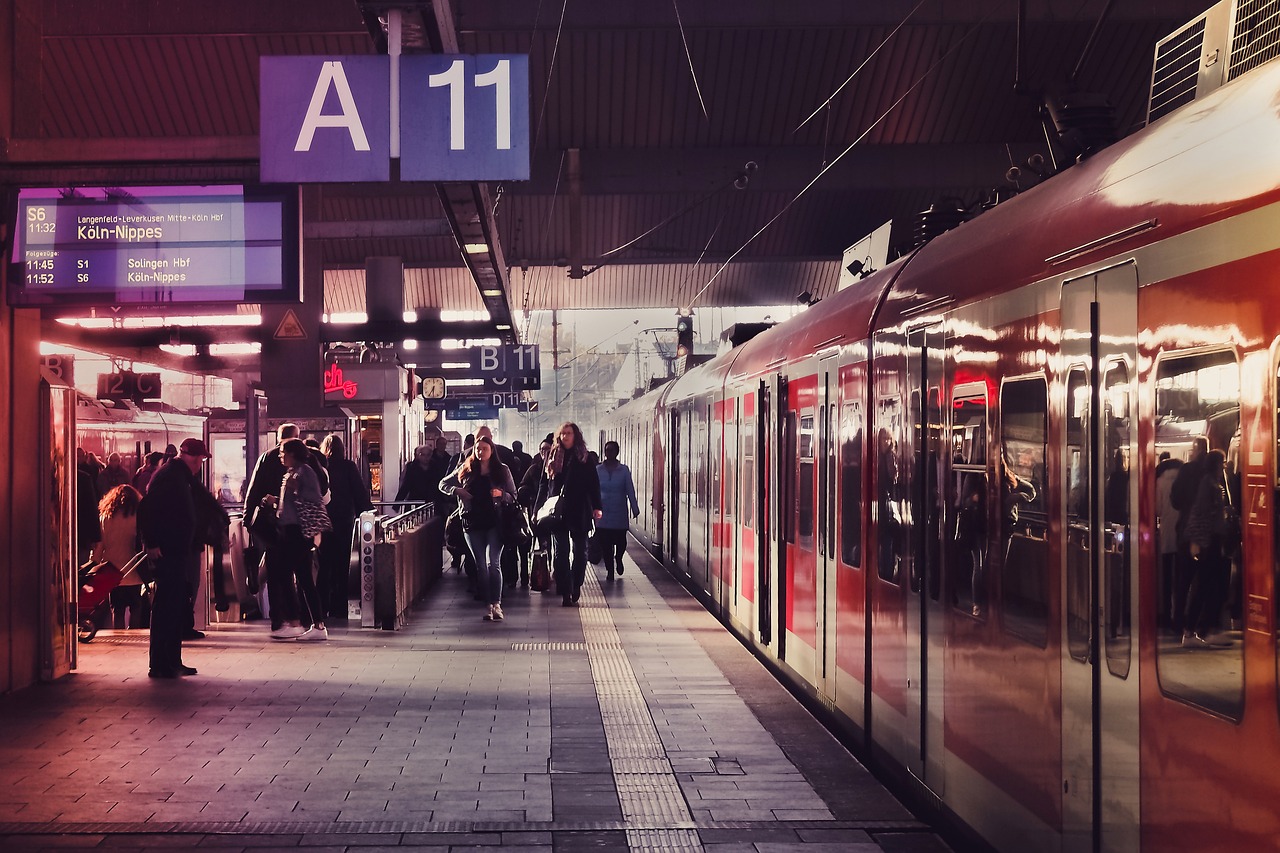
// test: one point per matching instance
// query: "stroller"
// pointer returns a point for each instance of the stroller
(97, 580)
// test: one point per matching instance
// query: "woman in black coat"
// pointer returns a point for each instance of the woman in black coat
(574, 479)
(348, 497)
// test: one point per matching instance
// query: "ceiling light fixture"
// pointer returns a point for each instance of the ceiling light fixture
(475, 248)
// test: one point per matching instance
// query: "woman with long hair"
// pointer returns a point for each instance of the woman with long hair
(118, 512)
(483, 484)
(571, 476)
(348, 497)
(299, 495)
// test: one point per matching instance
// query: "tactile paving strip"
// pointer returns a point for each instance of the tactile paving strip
(647, 787)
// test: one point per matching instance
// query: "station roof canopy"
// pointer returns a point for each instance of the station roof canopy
(644, 118)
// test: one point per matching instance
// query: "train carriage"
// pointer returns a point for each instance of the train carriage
(932, 502)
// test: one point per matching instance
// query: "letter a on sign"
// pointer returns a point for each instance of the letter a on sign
(332, 76)
(290, 328)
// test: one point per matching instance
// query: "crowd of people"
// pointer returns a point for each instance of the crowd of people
(503, 508)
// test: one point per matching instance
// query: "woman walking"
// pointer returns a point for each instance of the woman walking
(483, 485)
(617, 495)
(574, 480)
(299, 503)
(118, 512)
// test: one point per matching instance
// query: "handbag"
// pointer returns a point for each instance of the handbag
(550, 515)
(514, 526)
(595, 549)
(263, 526)
(455, 536)
(540, 570)
(312, 517)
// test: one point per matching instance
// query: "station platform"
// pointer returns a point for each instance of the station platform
(634, 722)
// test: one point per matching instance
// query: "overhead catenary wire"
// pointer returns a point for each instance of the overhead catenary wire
(823, 171)
(689, 56)
(551, 69)
(827, 103)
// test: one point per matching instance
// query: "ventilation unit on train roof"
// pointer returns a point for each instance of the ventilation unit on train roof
(1229, 39)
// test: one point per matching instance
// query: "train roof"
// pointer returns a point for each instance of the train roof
(1213, 158)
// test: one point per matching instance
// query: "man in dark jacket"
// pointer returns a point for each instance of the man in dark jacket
(167, 521)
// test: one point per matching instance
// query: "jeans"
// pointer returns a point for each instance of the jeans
(570, 570)
(486, 548)
(297, 557)
(169, 609)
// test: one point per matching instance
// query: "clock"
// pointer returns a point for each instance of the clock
(433, 388)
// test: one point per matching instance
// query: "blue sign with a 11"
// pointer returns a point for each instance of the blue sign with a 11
(464, 118)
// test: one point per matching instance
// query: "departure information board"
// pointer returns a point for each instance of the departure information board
(134, 246)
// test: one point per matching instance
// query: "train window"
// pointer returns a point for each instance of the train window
(748, 474)
(1023, 522)
(732, 430)
(787, 499)
(1199, 654)
(891, 533)
(1117, 431)
(1079, 566)
(804, 484)
(969, 531)
(851, 428)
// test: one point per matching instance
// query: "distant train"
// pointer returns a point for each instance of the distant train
(107, 426)
(932, 500)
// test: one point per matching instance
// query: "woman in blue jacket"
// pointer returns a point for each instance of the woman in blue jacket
(617, 495)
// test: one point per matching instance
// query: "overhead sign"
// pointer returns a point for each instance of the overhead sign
(496, 399)
(127, 385)
(325, 118)
(468, 410)
(464, 118)
(149, 245)
(328, 118)
(512, 367)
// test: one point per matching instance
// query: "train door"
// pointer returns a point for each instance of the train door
(769, 548)
(1099, 585)
(923, 557)
(825, 531)
(673, 485)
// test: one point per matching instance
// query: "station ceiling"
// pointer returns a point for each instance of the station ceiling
(645, 116)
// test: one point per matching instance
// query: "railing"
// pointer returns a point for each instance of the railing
(399, 557)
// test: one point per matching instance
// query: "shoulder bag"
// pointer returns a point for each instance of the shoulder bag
(313, 517)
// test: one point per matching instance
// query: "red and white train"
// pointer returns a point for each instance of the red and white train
(931, 499)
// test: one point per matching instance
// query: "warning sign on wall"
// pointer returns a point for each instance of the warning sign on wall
(290, 327)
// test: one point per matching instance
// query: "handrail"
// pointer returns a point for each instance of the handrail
(406, 521)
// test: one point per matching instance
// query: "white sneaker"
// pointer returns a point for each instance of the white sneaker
(314, 634)
(288, 632)
(488, 615)
(497, 613)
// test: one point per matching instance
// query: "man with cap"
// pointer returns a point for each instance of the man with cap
(167, 523)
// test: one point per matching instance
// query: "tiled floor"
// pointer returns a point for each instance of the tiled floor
(630, 723)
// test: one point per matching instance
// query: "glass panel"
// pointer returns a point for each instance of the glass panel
(804, 497)
(1200, 655)
(749, 475)
(851, 427)
(890, 492)
(1024, 578)
(1116, 434)
(969, 537)
(1079, 544)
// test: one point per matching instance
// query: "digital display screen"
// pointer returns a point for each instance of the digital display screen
(155, 245)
